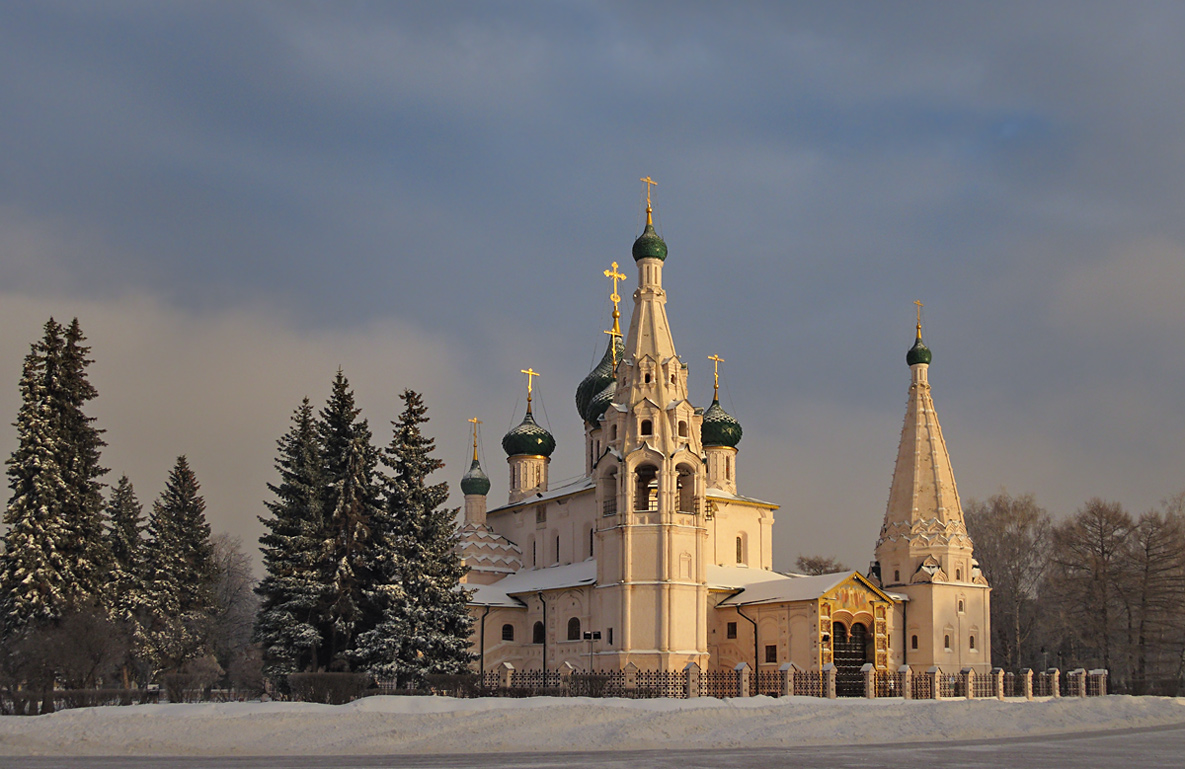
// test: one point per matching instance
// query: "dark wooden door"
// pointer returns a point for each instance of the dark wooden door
(849, 654)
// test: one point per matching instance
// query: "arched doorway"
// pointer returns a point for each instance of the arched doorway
(849, 652)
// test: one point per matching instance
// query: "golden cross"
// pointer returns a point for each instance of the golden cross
(614, 334)
(920, 306)
(475, 422)
(531, 374)
(716, 361)
(615, 276)
(649, 183)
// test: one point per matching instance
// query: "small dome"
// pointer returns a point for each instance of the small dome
(528, 438)
(475, 481)
(600, 402)
(649, 245)
(597, 380)
(919, 353)
(719, 428)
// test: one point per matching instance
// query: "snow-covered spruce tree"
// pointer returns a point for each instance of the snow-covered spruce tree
(349, 502)
(81, 444)
(125, 539)
(422, 624)
(291, 616)
(37, 580)
(180, 573)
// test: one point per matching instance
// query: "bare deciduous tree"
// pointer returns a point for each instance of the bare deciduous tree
(235, 602)
(1011, 536)
(819, 564)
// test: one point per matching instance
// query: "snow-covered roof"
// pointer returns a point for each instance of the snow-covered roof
(762, 586)
(584, 483)
(726, 496)
(529, 581)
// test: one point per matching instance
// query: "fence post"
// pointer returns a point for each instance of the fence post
(829, 674)
(998, 674)
(743, 670)
(1055, 687)
(788, 669)
(690, 680)
(906, 682)
(631, 676)
(1078, 682)
(1026, 676)
(1100, 677)
(869, 671)
(968, 676)
(506, 673)
(935, 675)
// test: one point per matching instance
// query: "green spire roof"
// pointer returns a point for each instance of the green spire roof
(475, 481)
(649, 245)
(597, 380)
(528, 438)
(919, 353)
(719, 428)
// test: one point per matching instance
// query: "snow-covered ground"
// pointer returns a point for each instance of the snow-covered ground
(402, 725)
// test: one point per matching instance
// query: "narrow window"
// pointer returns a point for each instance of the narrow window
(647, 380)
(771, 653)
(574, 629)
(913, 642)
(896, 575)
(672, 378)
(592, 537)
(959, 577)
(534, 558)
(508, 632)
(610, 639)
(971, 641)
(682, 429)
(960, 606)
(740, 550)
(728, 468)
(946, 642)
(541, 514)
(537, 633)
(557, 548)
(647, 427)
(613, 433)
(731, 630)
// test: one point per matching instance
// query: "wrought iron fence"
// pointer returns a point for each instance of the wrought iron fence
(984, 686)
(888, 683)
(922, 687)
(718, 683)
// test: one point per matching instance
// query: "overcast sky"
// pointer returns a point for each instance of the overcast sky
(237, 198)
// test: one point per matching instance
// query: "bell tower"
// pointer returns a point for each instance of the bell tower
(651, 481)
(924, 550)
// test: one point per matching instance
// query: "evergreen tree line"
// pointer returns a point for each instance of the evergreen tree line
(1100, 589)
(359, 554)
(91, 591)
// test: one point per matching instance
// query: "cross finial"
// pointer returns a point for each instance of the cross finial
(615, 276)
(716, 361)
(475, 422)
(614, 334)
(649, 210)
(531, 374)
(920, 305)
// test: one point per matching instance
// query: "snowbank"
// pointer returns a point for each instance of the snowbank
(393, 725)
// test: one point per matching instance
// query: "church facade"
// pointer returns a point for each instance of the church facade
(655, 557)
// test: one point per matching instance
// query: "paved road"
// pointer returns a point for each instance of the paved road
(1142, 748)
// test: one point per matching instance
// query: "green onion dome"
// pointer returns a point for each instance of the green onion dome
(919, 353)
(649, 245)
(600, 402)
(597, 380)
(528, 438)
(475, 481)
(719, 428)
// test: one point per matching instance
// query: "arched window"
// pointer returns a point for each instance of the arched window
(913, 642)
(609, 493)
(728, 468)
(971, 642)
(574, 629)
(896, 575)
(960, 606)
(672, 378)
(740, 549)
(537, 633)
(958, 576)
(946, 642)
(647, 378)
(508, 632)
(646, 428)
(685, 489)
(682, 429)
(646, 491)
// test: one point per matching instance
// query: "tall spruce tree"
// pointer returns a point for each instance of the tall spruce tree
(181, 574)
(422, 623)
(349, 502)
(56, 554)
(38, 579)
(292, 611)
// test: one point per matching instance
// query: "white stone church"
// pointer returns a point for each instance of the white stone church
(658, 556)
